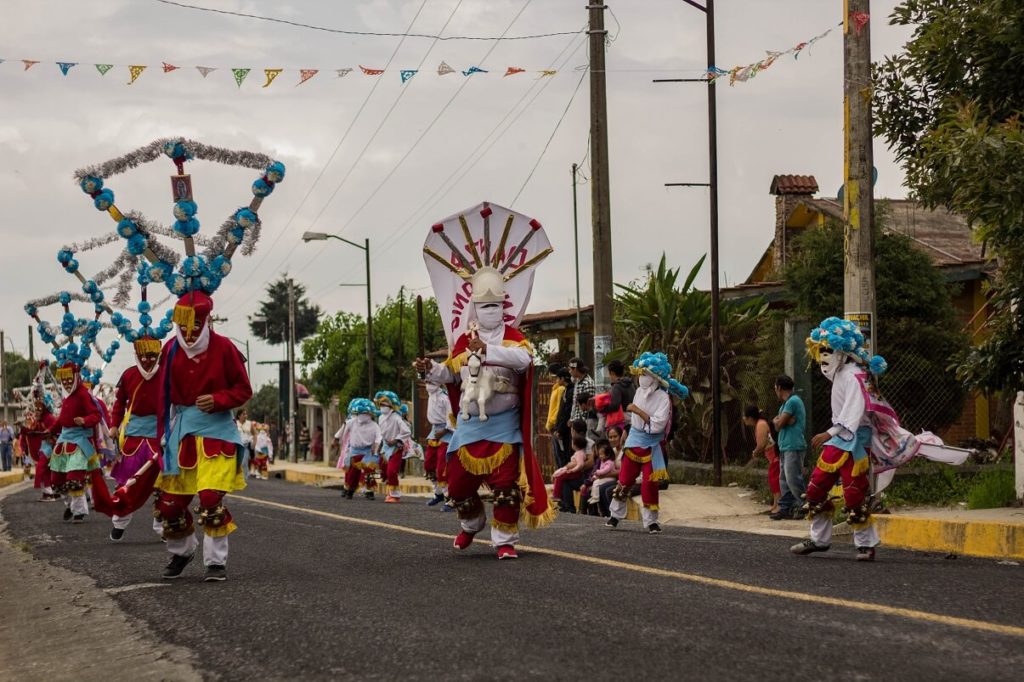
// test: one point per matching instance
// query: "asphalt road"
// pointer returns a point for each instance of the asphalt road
(325, 588)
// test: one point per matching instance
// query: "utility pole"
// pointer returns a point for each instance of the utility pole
(601, 215)
(293, 441)
(858, 161)
(3, 372)
(31, 351)
(401, 338)
(712, 184)
(369, 321)
(576, 252)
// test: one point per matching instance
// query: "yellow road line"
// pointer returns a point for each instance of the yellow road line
(912, 614)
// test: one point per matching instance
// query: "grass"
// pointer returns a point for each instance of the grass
(991, 490)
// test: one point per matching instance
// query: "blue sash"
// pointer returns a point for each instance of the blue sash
(440, 432)
(79, 436)
(141, 426)
(352, 452)
(638, 438)
(857, 447)
(499, 428)
(46, 449)
(189, 420)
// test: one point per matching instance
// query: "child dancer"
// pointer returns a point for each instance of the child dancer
(264, 450)
(395, 434)
(360, 445)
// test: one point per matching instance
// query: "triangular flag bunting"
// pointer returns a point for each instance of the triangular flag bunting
(66, 66)
(240, 75)
(407, 74)
(305, 75)
(512, 70)
(271, 75)
(103, 68)
(169, 67)
(205, 70)
(29, 63)
(343, 72)
(371, 72)
(444, 69)
(135, 70)
(548, 72)
(473, 69)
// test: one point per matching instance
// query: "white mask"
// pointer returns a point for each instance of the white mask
(830, 363)
(385, 411)
(362, 418)
(490, 316)
(647, 381)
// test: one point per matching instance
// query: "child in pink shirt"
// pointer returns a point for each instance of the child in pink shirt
(604, 471)
(573, 469)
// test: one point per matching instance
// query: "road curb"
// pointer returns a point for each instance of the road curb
(323, 479)
(989, 539)
(10, 478)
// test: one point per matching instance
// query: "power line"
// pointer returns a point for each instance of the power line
(326, 29)
(437, 195)
(330, 159)
(583, 74)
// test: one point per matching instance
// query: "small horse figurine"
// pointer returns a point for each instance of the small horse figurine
(480, 385)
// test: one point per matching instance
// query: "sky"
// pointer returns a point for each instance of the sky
(373, 157)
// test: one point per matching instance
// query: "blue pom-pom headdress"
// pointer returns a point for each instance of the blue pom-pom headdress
(361, 406)
(72, 350)
(658, 366)
(198, 272)
(843, 336)
(388, 399)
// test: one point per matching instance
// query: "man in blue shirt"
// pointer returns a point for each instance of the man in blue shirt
(791, 424)
(6, 446)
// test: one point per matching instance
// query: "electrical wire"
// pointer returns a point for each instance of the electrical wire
(298, 24)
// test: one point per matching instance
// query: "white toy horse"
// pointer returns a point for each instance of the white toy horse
(479, 387)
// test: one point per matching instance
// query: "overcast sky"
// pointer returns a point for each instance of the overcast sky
(786, 120)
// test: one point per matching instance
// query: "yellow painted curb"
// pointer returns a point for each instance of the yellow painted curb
(315, 478)
(989, 539)
(10, 478)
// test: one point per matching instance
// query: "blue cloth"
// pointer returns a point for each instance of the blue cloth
(141, 426)
(499, 428)
(857, 446)
(189, 420)
(78, 435)
(792, 436)
(388, 450)
(440, 432)
(46, 449)
(352, 452)
(638, 438)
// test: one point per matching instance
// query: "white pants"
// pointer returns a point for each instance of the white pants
(122, 521)
(618, 511)
(78, 505)
(215, 550)
(158, 527)
(440, 488)
(821, 533)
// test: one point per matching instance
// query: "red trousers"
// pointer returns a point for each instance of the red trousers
(42, 478)
(561, 478)
(833, 465)
(175, 507)
(463, 485)
(630, 470)
(394, 466)
(774, 471)
(435, 460)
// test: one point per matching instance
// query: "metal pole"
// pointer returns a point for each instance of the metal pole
(293, 444)
(600, 195)
(369, 321)
(716, 335)
(576, 251)
(858, 194)
(401, 340)
(31, 352)
(3, 372)
(248, 361)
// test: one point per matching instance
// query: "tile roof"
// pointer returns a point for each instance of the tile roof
(794, 184)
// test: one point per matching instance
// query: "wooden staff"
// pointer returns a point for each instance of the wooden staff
(421, 341)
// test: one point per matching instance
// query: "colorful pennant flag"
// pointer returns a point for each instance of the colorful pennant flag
(745, 72)
(371, 72)
(343, 72)
(169, 67)
(548, 72)
(29, 63)
(474, 69)
(103, 68)
(205, 70)
(407, 74)
(860, 20)
(66, 66)
(135, 70)
(240, 75)
(512, 70)
(305, 75)
(444, 69)
(271, 75)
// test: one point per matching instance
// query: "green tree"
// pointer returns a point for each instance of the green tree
(659, 314)
(950, 105)
(917, 330)
(264, 406)
(271, 323)
(19, 371)
(337, 352)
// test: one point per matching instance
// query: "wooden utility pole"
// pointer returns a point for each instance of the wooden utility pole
(601, 216)
(293, 441)
(858, 163)
(3, 372)
(401, 340)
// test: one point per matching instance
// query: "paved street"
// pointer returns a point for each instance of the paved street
(324, 588)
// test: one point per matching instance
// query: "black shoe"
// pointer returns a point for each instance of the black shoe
(116, 534)
(177, 565)
(215, 573)
(780, 515)
(612, 522)
(369, 494)
(436, 500)
(808, 547)
(78, 518)
(654, 529)
(67, 513)
(865, 554)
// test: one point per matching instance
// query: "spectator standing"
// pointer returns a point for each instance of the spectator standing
(764, 444)
(316, 447)
(582, 394)
(791, 425)
(248, 438)
(563, 420)
(554, 406)
(619, 396)
(304, 441)
(6, 445)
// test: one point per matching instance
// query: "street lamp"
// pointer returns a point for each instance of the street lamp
(365, 246)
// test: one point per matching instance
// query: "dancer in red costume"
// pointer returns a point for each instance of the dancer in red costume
(34, 439)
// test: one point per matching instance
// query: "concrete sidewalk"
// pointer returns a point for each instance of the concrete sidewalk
(991, 533)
